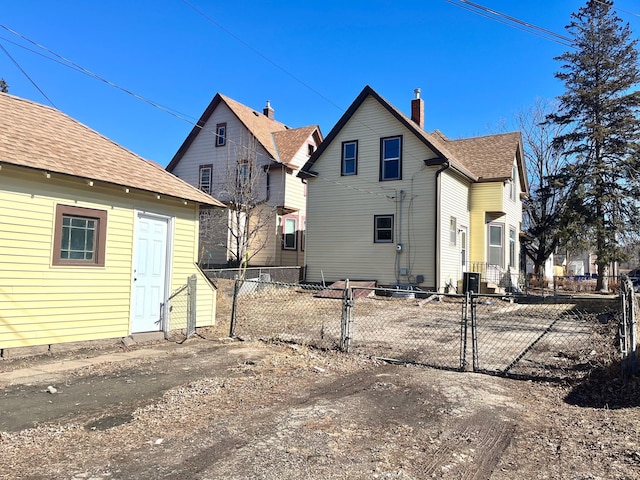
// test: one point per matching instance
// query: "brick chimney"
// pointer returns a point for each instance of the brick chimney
(417, 109)
(268, 111)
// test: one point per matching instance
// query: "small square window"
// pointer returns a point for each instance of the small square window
(383, 228)
(391, 158)
(221, 134)
(349, 158)
(79, 236)
(204, 180)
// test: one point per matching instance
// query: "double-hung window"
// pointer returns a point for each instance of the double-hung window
(289, 234)
(204, 178)
(221, 134)
(383, 228)
(391, 158)
(349, 158)
(496, 247)
(79, 237)
(243, 177)
(453, 231)
(512, 247)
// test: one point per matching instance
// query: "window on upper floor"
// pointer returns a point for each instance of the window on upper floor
(79, 237)
(243, 177)
(349, 158)
(204, 178)
(391, 158)
(310, 149)
(383, 228)
(221, 134)
(512, 183)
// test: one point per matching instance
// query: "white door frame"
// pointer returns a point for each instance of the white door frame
(168, 259)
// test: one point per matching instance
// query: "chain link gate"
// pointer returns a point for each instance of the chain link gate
(178, 312)
(505, 335)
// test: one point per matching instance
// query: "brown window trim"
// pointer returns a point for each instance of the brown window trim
(221, 140)
(210, 167)
(100, 238)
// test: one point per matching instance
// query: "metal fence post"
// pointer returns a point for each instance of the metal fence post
(474, 331)
(232, 323)
(346, 322)
(464, 333)
(191, 305)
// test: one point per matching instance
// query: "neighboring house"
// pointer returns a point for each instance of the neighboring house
(92, 237)
(390, 202)
(241, 157)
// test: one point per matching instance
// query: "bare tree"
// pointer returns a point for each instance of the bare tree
(245, 227)
(543, 208)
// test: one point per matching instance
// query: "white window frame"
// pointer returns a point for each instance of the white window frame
(453, 231)
(203, 184)
(493, 247)
(286, 223)
(512, 247)
(345, 158)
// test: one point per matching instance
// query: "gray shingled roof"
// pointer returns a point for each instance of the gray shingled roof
(40, 137)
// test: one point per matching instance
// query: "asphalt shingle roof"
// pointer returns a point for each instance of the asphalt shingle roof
(40, 137)
(280, 142)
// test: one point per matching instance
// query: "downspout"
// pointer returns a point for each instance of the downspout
(445, 165)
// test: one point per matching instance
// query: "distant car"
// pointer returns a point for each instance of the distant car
(635, 273)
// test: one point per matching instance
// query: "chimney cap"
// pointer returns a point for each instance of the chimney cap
(417, 92)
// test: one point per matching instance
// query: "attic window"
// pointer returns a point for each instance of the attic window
(311, 148)
(79, 237)
(221, 134)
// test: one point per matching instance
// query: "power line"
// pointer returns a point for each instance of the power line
(27, 75)
(512, 22)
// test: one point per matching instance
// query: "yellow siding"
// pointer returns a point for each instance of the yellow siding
(342, 246)
(45, 304)
(491, 202)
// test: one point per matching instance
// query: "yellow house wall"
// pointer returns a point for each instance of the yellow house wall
(45, 304)
(340, 210)
(491, 202)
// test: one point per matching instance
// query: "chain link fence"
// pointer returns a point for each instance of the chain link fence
(179, 311)
(522, 336)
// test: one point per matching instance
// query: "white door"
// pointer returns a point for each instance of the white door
(149, 272)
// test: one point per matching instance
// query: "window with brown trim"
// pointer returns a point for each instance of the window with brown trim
(221, 134)
(79, 237)
(204, 178)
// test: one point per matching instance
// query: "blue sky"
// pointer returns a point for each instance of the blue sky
(310, 59)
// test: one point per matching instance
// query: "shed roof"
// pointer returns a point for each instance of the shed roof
(40, 137)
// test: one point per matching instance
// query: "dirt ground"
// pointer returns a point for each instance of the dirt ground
(250, 410)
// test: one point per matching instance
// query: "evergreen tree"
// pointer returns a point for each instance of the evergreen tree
(600, 111)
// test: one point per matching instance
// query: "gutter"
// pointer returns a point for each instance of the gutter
(437, 239)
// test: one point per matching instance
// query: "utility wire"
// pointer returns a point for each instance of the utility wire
(512, 22)
(26, 75)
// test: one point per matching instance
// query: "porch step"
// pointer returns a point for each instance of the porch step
(490, 288)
